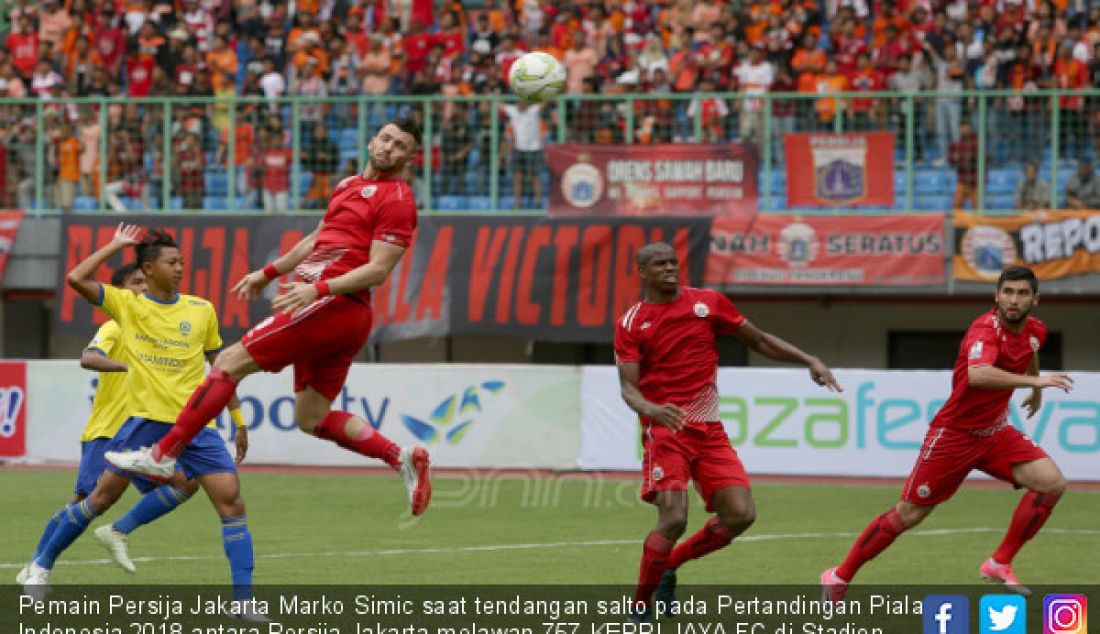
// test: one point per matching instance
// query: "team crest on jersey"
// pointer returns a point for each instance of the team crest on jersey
(368, 191)
(924, 490)
(185, 328)
(701, 309)
(1034, 341)
(976, 350)
(658, 473)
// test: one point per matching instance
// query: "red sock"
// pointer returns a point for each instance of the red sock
(210, 398)
(369, 443)
(655, 553)
(709, 539)
(1031, 513)
(880, 533)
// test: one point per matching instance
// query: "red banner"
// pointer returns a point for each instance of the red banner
(828, 170)
(13, 409)
(672, 179)
(828, 250)
(9, 227)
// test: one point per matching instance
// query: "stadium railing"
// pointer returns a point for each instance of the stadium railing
(313, 143)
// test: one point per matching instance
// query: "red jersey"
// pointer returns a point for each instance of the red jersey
(988, 343)
(674, 345)
(360, 211)
(276, 164)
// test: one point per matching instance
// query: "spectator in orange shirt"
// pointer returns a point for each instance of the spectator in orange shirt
(69, 148)
(830, 82)
(221, 61)
(808, 58)
(305, 26)
(1071, 74)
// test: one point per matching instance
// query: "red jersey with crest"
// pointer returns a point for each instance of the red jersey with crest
(360, 211)
(987, 342)
(674, 345)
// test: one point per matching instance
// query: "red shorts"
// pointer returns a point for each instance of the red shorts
(948, 455)
(700, 452)
(321, 341)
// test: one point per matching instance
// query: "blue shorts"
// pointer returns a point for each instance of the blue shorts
(92, 465)
(205, 455)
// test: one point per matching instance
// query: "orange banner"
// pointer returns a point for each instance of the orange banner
(1053, 243)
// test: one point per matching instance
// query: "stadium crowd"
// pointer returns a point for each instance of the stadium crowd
(323, 48)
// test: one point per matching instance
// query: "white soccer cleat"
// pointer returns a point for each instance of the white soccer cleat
(142, 462)
(117, 544)
(37, 584)
(246, 611)
(21, 578)
(414, 469)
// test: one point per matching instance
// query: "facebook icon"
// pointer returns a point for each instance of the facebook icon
(946, 614)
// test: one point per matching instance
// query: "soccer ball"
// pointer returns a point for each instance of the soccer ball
(537, 77)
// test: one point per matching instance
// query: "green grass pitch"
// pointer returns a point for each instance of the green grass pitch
(353, 528)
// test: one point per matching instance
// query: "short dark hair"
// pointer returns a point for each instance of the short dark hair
(407, 125)
(148, 250)
(1017, 272)
(646, 253)
(122, 273)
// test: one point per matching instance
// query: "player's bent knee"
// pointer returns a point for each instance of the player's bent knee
(672, 525)
(913, 514)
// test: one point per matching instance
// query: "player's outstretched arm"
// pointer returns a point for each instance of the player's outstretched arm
(776, 349)
(987, 377)
(250, 286)
(99, 362)
(82, 277)
(669, 414)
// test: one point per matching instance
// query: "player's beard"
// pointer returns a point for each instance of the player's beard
(1021, 315)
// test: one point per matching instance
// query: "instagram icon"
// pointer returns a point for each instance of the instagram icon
(1065, 614)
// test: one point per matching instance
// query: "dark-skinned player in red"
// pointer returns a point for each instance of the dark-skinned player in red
(665, 347)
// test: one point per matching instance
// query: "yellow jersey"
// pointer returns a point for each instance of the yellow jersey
(109, 405)
(166, 345)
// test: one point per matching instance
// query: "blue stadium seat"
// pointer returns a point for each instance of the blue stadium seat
(1001, 181)
(1000, 201)
(216, 203)
(85, 203)
(305, 179)
(479, 203)
(452, 203)
(933, 202)
(176, 202)
(933, 181)
(899, 182)
(348, 139)
(217, 184)
(348, 154)
(131, 203)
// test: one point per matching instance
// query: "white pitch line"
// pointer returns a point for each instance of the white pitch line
(545, 545)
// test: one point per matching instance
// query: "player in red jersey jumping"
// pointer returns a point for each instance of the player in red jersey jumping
(971, 431)
(321, 320)
(668, 363)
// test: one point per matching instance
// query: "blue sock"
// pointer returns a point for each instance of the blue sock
(51, 527)
(238, 549)
(75, 518)
(160, 501)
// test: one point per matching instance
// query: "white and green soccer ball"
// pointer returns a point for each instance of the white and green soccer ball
(537, 77)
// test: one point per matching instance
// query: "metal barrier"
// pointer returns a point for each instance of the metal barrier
(250, 154)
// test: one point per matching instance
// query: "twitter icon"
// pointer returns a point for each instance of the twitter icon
(1002, 614)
